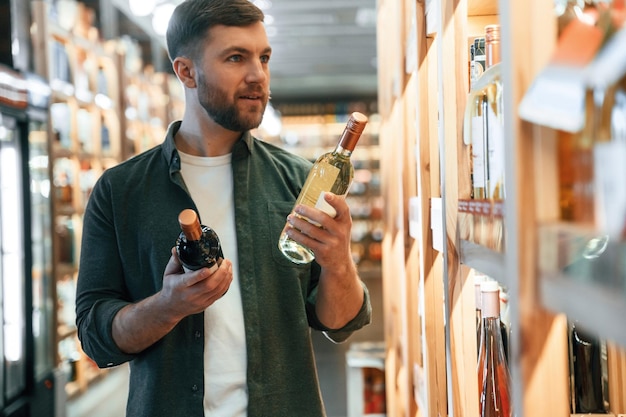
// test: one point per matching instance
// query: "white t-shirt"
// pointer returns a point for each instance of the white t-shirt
(210, 183)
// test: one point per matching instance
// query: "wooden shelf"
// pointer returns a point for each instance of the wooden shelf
(431, 343)
(485, 260)
(598, 308)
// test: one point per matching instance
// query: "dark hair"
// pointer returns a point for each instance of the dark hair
(192, 19)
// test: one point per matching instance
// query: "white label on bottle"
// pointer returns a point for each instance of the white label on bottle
(323, 205)
(610, 196)
(478, 152)
(495, 150)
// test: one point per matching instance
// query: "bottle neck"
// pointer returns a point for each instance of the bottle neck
(340, 150)
(349, 138)
(490, 304)
(190, 224)
(492, 46)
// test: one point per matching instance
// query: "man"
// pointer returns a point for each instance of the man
(235, 342)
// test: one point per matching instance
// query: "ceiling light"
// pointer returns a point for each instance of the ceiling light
(263, 4)
(142, 7)
(161, 18)
(366, 17)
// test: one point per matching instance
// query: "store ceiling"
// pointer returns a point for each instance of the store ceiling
(323, 50)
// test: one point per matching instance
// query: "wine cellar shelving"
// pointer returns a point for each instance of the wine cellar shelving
(431, 249)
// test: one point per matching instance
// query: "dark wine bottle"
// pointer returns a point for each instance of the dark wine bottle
(588, 363)
(197, 246)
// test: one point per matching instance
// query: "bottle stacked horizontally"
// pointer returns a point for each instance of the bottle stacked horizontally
(494, 382)
(332, 172)
(197, 246)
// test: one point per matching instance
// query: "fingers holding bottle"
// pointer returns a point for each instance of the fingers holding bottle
(191, 292)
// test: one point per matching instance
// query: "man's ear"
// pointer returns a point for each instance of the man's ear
(185, 71)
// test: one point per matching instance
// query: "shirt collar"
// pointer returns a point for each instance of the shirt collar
(242, 148)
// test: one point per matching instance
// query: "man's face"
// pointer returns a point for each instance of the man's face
(233, 76)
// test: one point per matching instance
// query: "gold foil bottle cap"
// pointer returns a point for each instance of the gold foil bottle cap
(353, 130)
(190, 224)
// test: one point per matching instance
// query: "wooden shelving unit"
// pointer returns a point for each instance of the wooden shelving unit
(86, 140)
(429, 300)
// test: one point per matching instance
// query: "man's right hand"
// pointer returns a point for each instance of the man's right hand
(186, 293)
(138, 326)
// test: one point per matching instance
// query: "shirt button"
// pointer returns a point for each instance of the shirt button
(194, 388)
(198, 334)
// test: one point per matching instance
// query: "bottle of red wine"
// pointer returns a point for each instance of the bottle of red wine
(197, 246)
(494, 382)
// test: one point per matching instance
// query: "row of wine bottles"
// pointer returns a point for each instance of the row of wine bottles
(587, 357)
(72, 124)
(483, 127)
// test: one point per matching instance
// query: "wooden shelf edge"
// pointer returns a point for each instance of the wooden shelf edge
(596, 308)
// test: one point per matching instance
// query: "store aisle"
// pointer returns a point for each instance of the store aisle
(105, 398)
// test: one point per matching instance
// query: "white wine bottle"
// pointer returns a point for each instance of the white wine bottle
(332, 172)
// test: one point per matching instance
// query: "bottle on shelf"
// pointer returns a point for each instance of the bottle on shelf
(495, 123)
(478, 280)
(197, 246)
(588, 372)
(494, 382)
(331, 172)
(484, 123)
(475, 122)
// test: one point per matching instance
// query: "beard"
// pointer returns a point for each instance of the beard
(224, 112)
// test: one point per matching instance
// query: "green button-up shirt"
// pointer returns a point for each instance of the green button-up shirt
(130, 226)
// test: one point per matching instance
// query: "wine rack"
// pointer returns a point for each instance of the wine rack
(86, 140)
(521, 241)
(150, 100)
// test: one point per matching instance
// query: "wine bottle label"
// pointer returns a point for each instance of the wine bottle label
(316, 184)
(321, 204)
(495, 155)
(478, 152)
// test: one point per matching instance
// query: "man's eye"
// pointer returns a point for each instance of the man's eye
(265, 59)
(235, 58)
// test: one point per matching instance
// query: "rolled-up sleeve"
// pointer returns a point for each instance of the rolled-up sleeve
(100, 290)
(363, 318)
